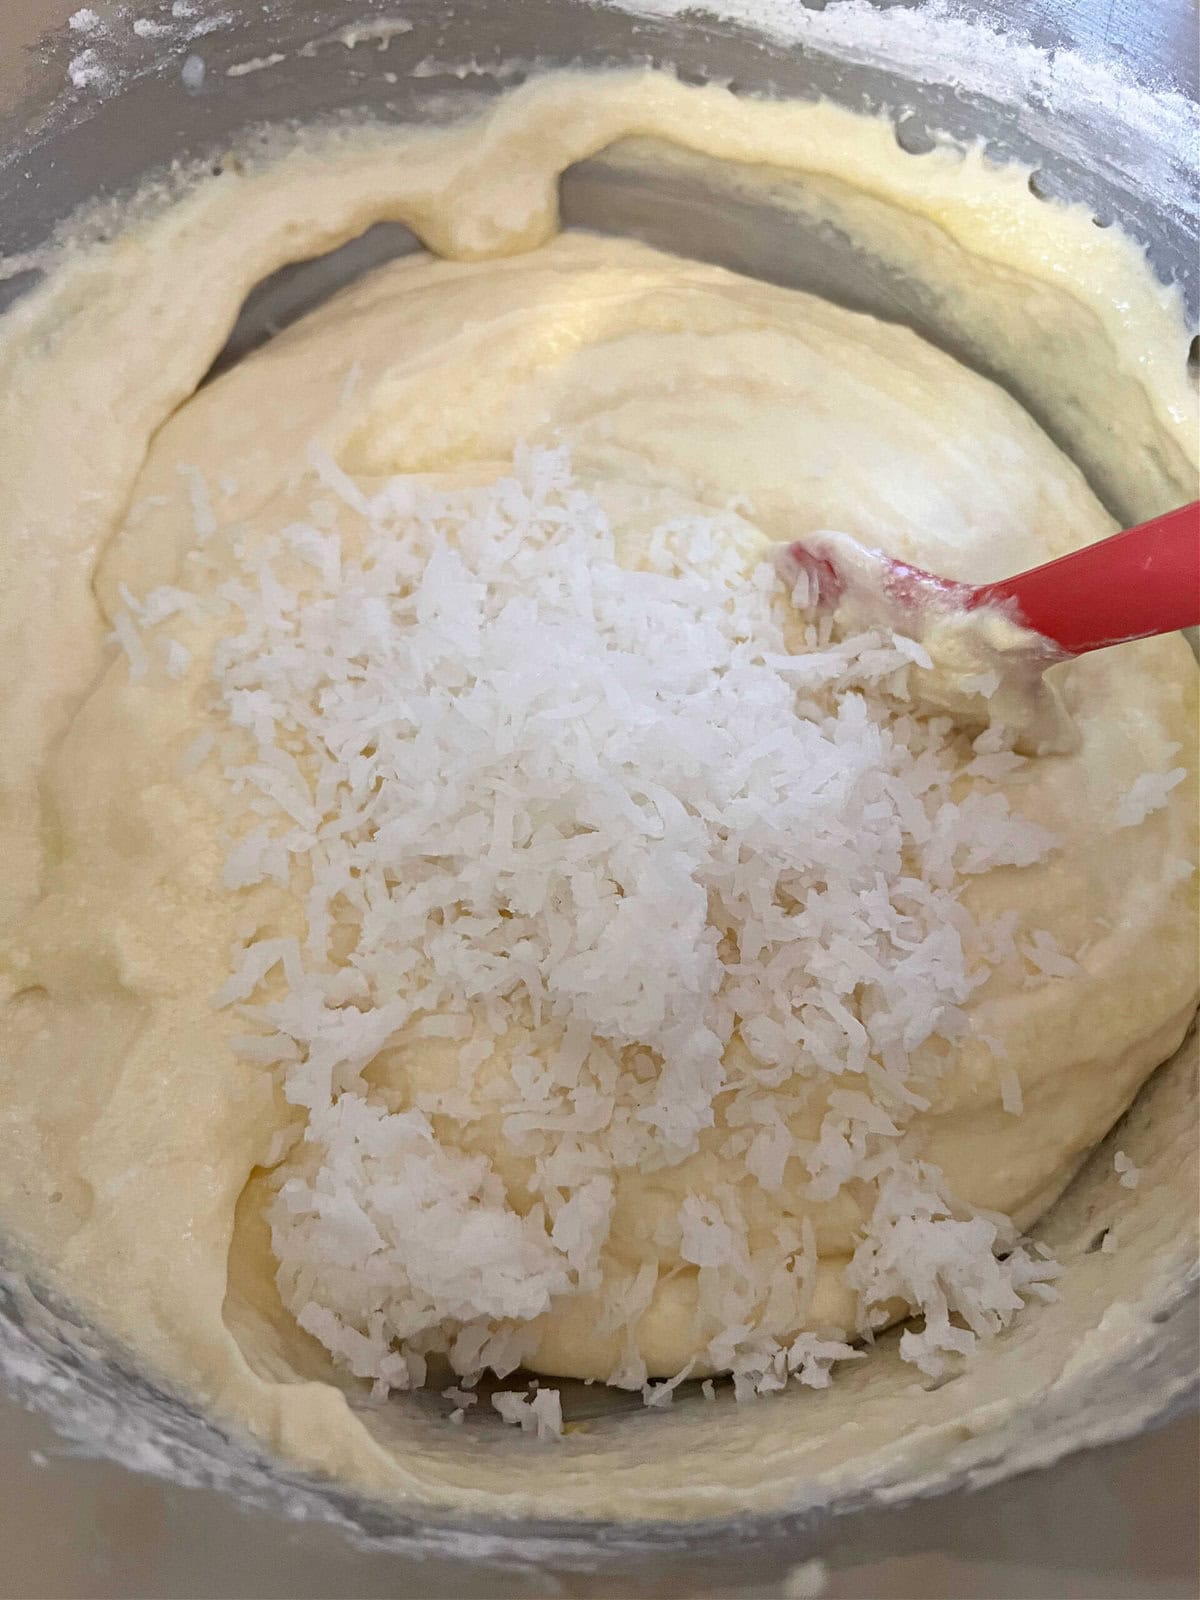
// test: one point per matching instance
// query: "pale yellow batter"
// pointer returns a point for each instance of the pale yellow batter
(136, 1139)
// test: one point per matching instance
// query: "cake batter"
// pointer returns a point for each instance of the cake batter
(139, 1140)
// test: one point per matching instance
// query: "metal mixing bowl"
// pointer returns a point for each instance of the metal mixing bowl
(62, 146)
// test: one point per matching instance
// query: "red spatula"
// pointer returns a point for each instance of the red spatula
(1137, 583)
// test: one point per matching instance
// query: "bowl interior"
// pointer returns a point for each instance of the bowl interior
(1053, 1382)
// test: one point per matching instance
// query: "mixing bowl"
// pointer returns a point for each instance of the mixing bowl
(86, 112)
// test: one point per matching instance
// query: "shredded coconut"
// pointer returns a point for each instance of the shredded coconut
(663, 1394)
(539, 1414)
(462, 1398)
(204, 518)
(1131, 1175)
(1043, 954)
(923, 1249)
(647, 814)
(1147, 793)
(1011, 1096)
(127, 635)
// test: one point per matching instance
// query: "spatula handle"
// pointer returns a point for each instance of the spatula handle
(1140, 582)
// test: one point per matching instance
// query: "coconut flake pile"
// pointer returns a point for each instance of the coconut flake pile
(659, 860)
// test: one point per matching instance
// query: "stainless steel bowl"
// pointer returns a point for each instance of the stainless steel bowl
(62, 146)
